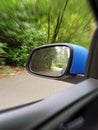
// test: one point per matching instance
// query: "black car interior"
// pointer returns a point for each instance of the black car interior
(73, 109)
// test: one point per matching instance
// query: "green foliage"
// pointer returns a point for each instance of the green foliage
(26, 24)
(6, 70)
(2, 54)
(60, 65)
(18, 56)
(2, 46)
(79, 26)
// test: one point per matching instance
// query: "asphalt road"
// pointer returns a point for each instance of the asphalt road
(25, 88)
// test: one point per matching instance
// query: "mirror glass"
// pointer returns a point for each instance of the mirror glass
(50, 61)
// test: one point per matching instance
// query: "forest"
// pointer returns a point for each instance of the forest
(27, 24)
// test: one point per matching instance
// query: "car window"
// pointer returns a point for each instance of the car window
(25, 25)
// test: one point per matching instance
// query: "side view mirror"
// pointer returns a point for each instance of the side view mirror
(57, 60)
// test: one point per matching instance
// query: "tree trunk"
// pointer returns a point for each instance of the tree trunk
(59, 22)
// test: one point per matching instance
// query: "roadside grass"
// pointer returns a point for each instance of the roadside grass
(6, 71)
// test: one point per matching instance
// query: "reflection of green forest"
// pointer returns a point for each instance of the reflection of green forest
(42, 59)
(49, 58)
(61, 57)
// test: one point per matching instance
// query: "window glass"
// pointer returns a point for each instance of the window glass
(27, 24)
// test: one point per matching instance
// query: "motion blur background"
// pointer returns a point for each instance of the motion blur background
(26, 24)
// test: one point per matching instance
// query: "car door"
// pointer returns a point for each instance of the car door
(73, 109)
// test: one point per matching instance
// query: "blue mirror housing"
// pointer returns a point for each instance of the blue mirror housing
(80, 55)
